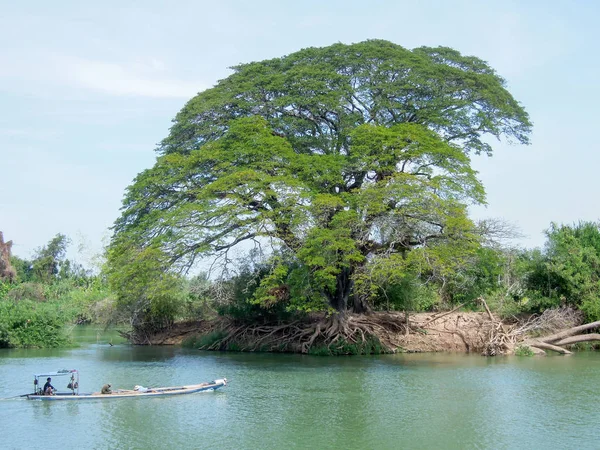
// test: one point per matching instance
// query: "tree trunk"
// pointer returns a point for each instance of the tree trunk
(360, 305)
(339, 298)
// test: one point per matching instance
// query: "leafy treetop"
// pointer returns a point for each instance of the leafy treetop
(340, 156)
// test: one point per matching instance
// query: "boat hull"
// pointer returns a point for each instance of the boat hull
(125, 393)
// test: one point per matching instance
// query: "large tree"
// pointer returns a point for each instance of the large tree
(341, 156)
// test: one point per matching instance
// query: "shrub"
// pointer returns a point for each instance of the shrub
(209, 339)
(370, 346)
(591, 308)
(524, 350)
(30, 324)
(27, 291)
(5, 287)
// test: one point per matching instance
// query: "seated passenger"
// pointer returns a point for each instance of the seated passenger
(106, 389)
(48, 388)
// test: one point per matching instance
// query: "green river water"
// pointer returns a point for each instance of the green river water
(418, 401)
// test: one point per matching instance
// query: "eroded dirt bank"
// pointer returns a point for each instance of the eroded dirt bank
(485, 333)
(427, 332)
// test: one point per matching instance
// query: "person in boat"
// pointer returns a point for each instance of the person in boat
(106, 389)
(48, 388)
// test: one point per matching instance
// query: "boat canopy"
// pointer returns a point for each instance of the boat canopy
(73, 383)
(55, 374)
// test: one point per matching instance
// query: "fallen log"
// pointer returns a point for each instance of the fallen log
(581, 338)
(546, 346)
(537, 351)
(570, 332)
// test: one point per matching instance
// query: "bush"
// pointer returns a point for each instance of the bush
(524, 350)
(5, 287)
(591, 308)
(370, 346)
(29, 324)
(241, 305)
(209, 339)
(204, 340)
(27, 291)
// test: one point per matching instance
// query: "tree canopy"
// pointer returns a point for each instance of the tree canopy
(347, 160)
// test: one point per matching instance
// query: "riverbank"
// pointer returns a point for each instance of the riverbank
(462, 332)
(388, 332)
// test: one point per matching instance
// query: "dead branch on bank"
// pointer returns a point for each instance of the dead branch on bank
(558, 340)
(501, 337)
(550, 321)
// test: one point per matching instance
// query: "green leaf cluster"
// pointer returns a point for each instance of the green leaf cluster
(145, 289)
(29, 324)
(341, 157)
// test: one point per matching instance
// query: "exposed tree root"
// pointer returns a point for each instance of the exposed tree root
(337, 334)
(384, 332)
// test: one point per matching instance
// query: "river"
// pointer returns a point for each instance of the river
(412, 401)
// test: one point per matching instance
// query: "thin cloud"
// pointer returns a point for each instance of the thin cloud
(129, 80)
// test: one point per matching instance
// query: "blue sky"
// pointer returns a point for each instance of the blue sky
(88, 89)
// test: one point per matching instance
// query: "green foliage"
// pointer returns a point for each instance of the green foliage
(48, 293)
(5, 288)
(566, 273)
(233, 347)
(198, 303)
(394, 283)
(524, 350)
(591, 307)
(370, 346)
(478, 274)
(204, 340)
(46, 264)
(27, 291)
(257, 294)
(335, 155)
(23, 268)
(585, 346)
(30, 324)
(146, 291)
(316, 95)
(283, 287)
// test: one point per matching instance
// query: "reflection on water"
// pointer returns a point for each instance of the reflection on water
(295, 401)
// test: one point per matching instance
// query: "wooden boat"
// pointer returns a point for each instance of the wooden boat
(138, 391)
